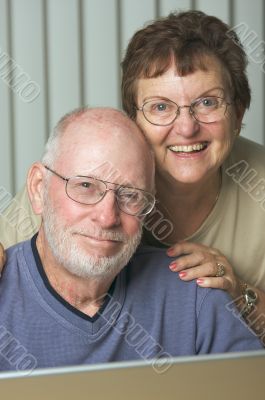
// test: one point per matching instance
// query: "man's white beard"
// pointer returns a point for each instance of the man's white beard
(76, 260)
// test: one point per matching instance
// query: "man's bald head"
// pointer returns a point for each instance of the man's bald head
(106, 127)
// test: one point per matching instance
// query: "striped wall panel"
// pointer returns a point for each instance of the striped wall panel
(56, 55)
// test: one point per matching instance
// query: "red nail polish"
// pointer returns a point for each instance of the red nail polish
(200, 281)
(170, 251)
(182, 274)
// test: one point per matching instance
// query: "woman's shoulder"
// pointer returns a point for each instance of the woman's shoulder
(247, 158)
(249, 152)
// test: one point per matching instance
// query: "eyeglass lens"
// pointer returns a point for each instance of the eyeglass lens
(86, 190)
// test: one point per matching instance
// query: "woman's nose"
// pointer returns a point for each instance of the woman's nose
(185, 124)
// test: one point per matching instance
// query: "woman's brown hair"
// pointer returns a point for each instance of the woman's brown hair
(186, 38)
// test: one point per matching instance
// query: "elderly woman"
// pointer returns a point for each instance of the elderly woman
(185, 84)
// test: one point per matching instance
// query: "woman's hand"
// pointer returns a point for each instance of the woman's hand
(207, 265)
(2, 258)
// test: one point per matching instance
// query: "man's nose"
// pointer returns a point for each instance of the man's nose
(106, 212)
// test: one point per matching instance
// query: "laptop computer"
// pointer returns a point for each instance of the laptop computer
(214, 377)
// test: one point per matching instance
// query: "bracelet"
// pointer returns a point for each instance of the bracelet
(250, 299)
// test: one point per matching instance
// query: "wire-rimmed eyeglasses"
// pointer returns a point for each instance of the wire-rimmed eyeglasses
(163, 112)
(89, 190)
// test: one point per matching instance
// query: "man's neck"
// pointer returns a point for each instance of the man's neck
(85, 294)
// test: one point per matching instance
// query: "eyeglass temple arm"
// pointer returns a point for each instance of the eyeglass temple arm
(56, 173)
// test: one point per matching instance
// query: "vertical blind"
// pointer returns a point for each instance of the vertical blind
(56, 55)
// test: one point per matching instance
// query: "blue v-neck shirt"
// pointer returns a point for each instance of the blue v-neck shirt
(148, 313)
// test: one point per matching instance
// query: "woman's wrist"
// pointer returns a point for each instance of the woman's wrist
(249, 300)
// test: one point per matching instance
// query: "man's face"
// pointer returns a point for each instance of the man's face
(78, 258)
(93, 240)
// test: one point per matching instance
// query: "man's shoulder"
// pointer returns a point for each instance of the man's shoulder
(20, 245)
(151, 255)
(17, 252)
(15, 275)
(150, 266)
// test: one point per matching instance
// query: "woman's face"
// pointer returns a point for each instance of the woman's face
(211, 143)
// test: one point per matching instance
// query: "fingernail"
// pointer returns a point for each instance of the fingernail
(172, 265)
(170, 251)
(200, 281)
(182, 274)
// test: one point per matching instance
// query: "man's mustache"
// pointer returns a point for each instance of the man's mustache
(101, 234)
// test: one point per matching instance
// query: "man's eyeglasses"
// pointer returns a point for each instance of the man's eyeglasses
(88, 190)
(163, 112)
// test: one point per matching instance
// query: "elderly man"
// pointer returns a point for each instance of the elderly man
(70, 295)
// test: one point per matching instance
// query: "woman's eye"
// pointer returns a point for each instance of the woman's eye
(161, 107)
(209, 102)
(85, 185)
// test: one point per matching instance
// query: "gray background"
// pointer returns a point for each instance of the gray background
(71, 49)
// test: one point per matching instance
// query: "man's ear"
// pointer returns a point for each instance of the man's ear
(36, 186)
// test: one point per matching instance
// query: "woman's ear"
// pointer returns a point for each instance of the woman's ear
(36, 186)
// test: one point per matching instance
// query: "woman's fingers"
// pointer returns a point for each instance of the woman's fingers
(215, 283)
(193, 259)
(205, 264)
(184, 247)
(197, 271)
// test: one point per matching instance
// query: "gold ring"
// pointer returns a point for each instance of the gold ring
(220, 270)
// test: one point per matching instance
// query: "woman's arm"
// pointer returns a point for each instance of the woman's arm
(210, 268)
(17, 221)
(2, 258)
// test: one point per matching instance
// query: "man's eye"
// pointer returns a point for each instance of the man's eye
(131, 196)
(85, 186)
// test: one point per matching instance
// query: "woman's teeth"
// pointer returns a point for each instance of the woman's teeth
(189, 148)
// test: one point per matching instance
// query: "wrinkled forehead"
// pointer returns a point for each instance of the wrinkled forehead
(105, 151)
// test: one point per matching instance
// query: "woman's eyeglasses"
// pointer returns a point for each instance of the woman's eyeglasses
(163, 112)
